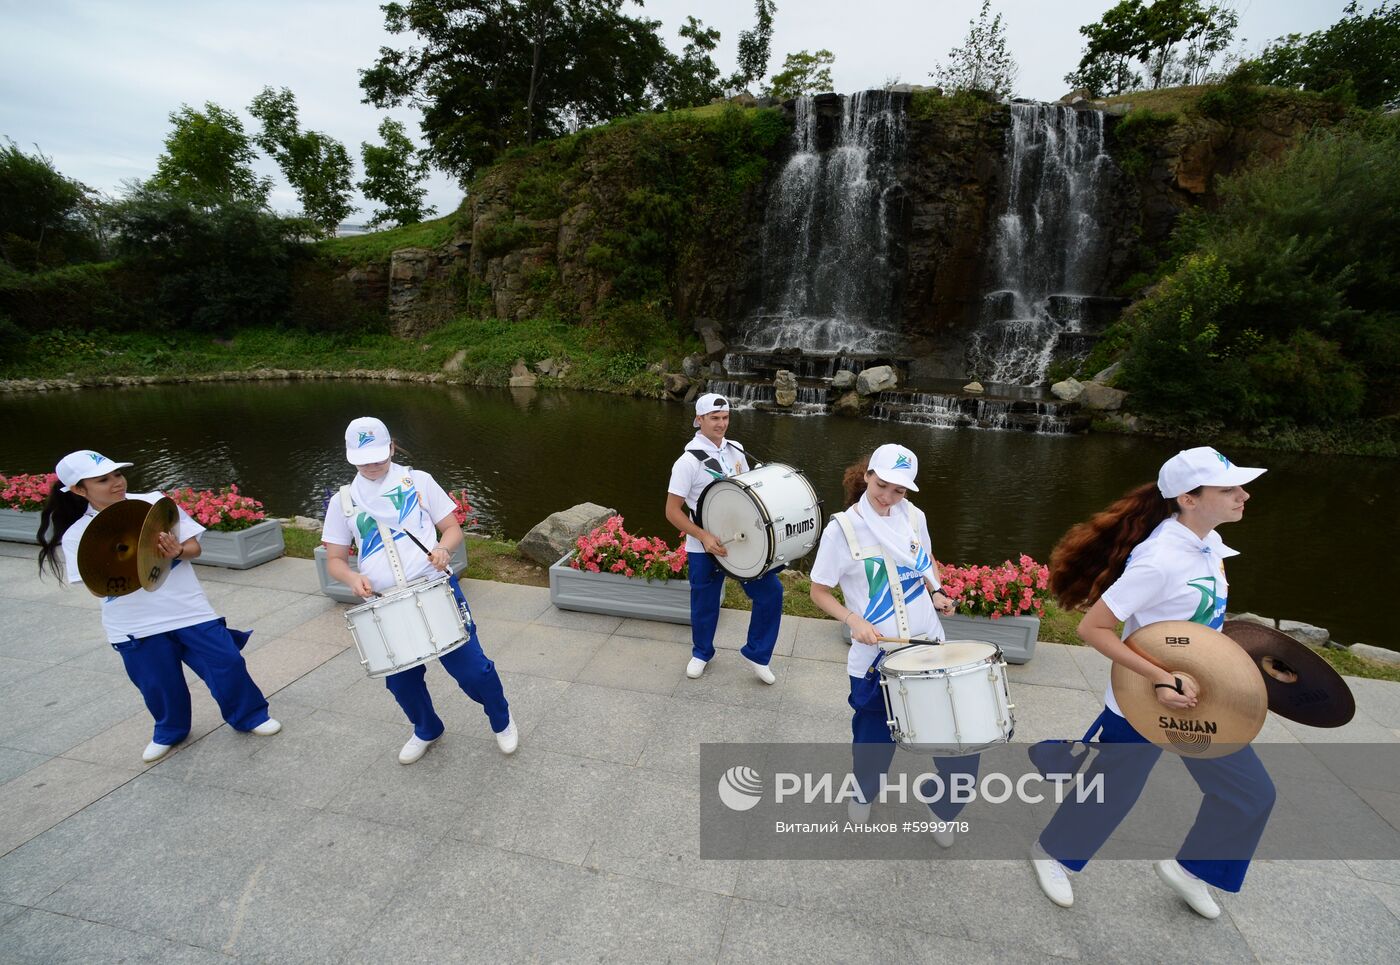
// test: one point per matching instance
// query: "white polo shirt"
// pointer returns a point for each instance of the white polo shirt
(420, 502)
(1171, 575)
(866, 587)
(690, 476)
(180, 601)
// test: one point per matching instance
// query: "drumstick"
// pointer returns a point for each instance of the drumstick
(895, 640)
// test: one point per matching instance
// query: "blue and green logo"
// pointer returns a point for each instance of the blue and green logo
(366, 438)
(902, 462)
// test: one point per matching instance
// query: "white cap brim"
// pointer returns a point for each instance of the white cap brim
(369, 454)
(896, 477)
(101, 469)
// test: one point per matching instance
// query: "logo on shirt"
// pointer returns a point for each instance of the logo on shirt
(404, 498)
(1211, 609)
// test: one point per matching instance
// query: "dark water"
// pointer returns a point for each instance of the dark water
(1317, 542)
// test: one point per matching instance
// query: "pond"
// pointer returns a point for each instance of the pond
(1317, 541)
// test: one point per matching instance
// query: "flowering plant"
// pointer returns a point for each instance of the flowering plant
(462, 510)
(1010, 589)
(226, 511)
(26, 492)
(611, 549)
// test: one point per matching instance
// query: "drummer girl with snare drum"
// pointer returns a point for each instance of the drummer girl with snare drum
(879, 535)
(407, 504)
(155, 631)
(707, 457)
(1154, 555)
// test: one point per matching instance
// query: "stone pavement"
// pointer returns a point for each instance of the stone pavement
(316, 845)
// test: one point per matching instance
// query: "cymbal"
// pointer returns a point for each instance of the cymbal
(1301, 685)
(107, 554)
(153, 566)
(1231, 702)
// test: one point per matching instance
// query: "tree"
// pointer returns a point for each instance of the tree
(755, 46)
(692, 79)
(317, 166)
(982, 62)
(393, 176)
(493, 74)
(1151, 35)
(1357, 51)
(46, 219)
(208, 159)
(802, 73)
(214, 267)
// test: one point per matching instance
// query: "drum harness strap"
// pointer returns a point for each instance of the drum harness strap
(858, 552)
(716, 468)
(386, 535)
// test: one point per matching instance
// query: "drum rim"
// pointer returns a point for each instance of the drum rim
(768, 526)
(817, 503)
(994, 658)
(399, 593)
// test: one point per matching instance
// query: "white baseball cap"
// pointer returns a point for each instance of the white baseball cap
(707, 403)
(84, 464)
(895, 465)
(1202, 466)
(367, 440)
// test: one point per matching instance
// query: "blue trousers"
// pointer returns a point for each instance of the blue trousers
(212, 652)
(1239, 797)
(872, 748)
(706, 592)
(474, 673)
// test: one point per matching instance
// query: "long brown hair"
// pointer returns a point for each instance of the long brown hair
(853, 480)
(1088, 558)
(61, 511)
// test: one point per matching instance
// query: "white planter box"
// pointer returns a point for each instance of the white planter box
(18, 526)
(665, 600)
(246, 548)
(341, 593)
(1015, 635)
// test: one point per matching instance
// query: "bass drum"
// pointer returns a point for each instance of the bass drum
(766, 518)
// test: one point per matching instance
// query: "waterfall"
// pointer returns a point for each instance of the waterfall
(1049, 251)
(831, 257)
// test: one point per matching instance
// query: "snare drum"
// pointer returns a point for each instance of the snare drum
(408, 626)
(766, 518)
(948, 699)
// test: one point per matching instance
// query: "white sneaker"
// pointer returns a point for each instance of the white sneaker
(1051, 876)
(761, 671)
(858, 811)
(415, 749)
(695, 668)
(509, 739)
(1192, 890)
(155, 752)
(268, 727)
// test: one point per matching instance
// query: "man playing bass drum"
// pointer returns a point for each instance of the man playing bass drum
(707, 457)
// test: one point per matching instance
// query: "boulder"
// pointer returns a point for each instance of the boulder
(656, 368)
(691, 393)
(692, 364)
(559, 533)
(715, 348)
(845, 379)
(454, 364)
(878, 379)
(974, 388)
(674, 384)
(1068, 390)
(716, 370)
(526, 381)
(1375, 653)
(848, 405)
(547, 366)
(1304, 632)
(785, 388)
(1107, 376)
(1251, 618)
(519, 369)
(1102, 398)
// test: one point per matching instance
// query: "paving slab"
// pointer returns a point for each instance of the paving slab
(317, 845)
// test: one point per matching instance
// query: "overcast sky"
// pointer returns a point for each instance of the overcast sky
(92, 82)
